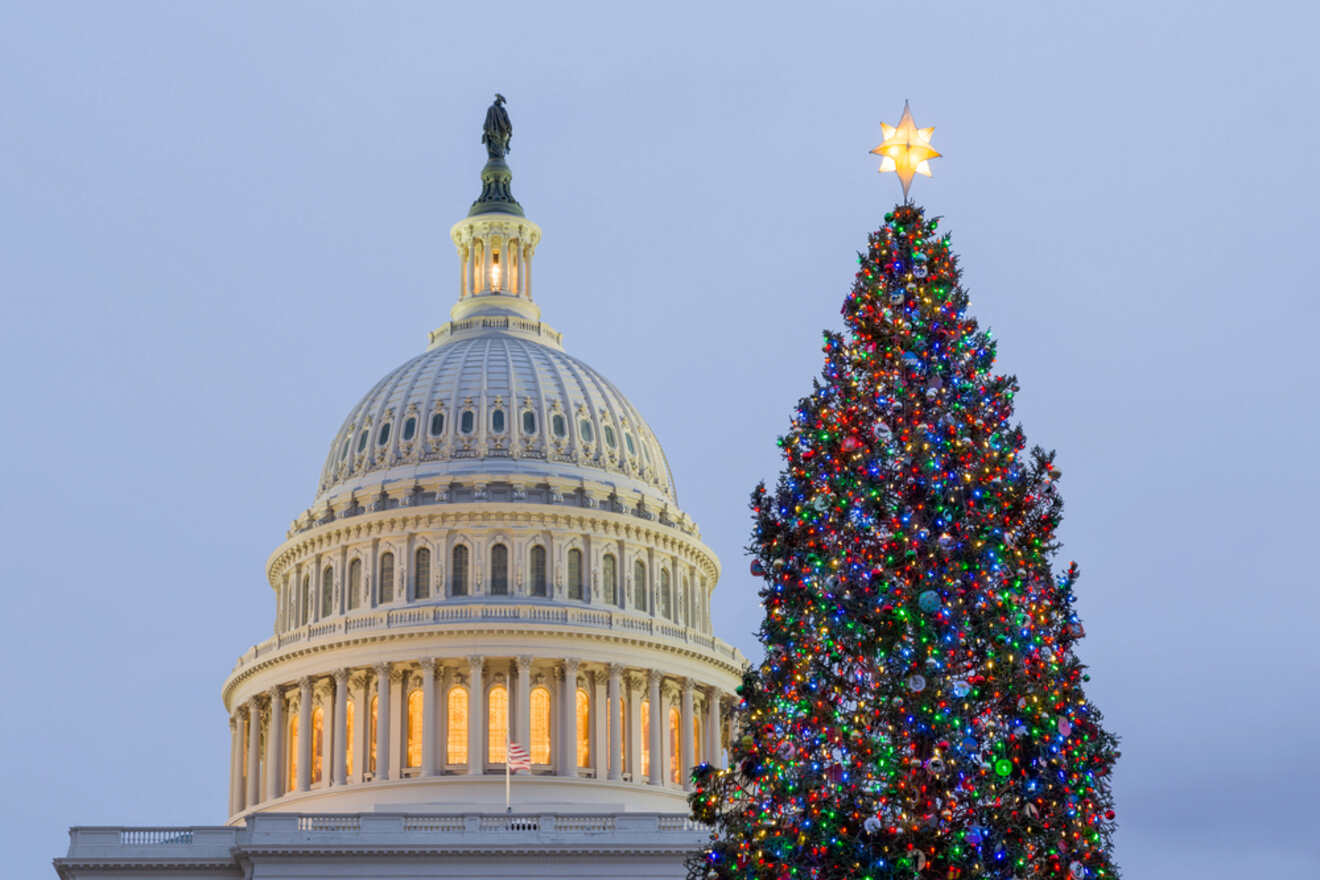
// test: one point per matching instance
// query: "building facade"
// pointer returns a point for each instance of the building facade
(495, 555)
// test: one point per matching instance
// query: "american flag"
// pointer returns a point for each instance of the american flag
(519, 759)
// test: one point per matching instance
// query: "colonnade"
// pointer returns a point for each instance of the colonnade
(453, 716)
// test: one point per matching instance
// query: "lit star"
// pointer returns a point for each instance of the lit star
(906, 149)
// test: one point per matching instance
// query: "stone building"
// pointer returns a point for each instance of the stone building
(495, 554)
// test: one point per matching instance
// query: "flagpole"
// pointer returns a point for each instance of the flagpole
(507, 807)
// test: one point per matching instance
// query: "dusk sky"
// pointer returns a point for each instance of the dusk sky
(221, 223)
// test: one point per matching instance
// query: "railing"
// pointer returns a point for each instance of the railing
(624, 830)
(155, 837)
(497, 612)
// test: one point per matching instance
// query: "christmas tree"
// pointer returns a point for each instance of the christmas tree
(919, 712)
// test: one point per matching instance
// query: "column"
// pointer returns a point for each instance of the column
(569, 738)
(235, 756)
(714, 754)
(527, 272)
(476, 716)
(441, 719)
(340, 739)
(398, 724)
(613, 720)
(304, 733)
(275, 739)
(656, 776)
(523, 691)
(428, 716)
(382, 721)
(685, 735)
(254, 753)
(634, 726)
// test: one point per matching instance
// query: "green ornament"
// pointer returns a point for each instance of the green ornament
(1004, 767)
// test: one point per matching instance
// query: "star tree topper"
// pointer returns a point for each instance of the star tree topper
(906, 149)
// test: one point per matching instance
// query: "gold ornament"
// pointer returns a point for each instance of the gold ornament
(906, 150)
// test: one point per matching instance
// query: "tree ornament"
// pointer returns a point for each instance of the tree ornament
(929, 601)
(1004, 767)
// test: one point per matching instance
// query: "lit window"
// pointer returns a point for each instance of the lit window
(639, 585)
(348, 740)
(696, 738)
(422, 573)
(575, 574)
(497, 421)
(558, 425)
(409, 427)
(497, 723)
(467, 422)
(456, 749)
(384, 436)
(646, 738)
(609, 436)
(499, 570)
(623, 735)
(674, 757)
(386, 578)
(291, 759)
(538, 571)
(529, 422)
(415, 701)
(354, 582)
(371, 735)
(437, 424)
(318, 736)
(583, 729)
(540, 745)
(628, 441)
(362, 439)
(458, 571)
(584, 428)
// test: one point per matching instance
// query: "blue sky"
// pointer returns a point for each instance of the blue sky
(221, 223)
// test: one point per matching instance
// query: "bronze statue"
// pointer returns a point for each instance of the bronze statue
(497, 130)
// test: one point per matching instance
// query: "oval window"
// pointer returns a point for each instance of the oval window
(558, 426)
(627, 441)
(646, 453)
(343, 452)
(437, 424)
(497, 421)
(467, 421)
(384, 436)
(410, 427)
(609, 436)
(584, 428)
(529, 422)
(362, 440)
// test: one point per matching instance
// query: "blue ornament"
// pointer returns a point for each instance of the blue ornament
(961, 689)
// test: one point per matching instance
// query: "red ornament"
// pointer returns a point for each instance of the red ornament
(851, 444)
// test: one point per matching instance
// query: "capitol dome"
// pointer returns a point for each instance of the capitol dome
(494, 560)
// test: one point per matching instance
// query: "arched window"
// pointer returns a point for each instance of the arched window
(318, 741)
(371, 735)
(639, 585)
(666, 599)
(415, 722)
(384, 436)
(583, 728)
(646, 738)
(540, 727)
(674, 757)
(610, 575)
(558, 425)
(499, 570)
(306, 603)
(354, 582)
(458, 571)
(467, 421)
(529, 422)
(456, 749)
(584, 431)
(327, 591)
(291, 753)
(497, 421)
(623, 735)
(437, 424)
(575, 574)
(349, 715)
(422, 573)
(409, 428)
(538, 571)
(386, 578)
(497, 723)
(696, 738)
